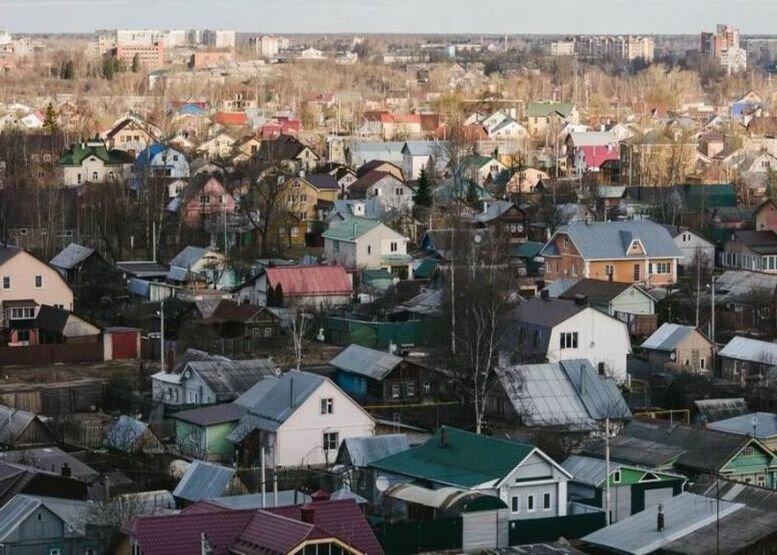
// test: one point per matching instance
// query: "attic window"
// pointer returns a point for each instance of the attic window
(616, 477)
(650, 477)
(748, 451)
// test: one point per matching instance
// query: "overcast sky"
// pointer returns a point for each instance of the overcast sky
(396, 16)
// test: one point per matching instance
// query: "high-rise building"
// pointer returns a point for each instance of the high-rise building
(219, 39)
(144, 37)
(625, 48)
(723, 45)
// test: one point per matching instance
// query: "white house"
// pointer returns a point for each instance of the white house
(560, 329)
(92, 162)
(160, 160)
(692, 244)
(393, 193)
(300, 418)
(418, 155)
(217, 148)
(363, 244)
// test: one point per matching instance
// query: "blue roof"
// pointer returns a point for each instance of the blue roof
(191, 109)
(148, 154)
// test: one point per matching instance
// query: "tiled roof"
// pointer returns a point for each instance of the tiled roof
(301, 281)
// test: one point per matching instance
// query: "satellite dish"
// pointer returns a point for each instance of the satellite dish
(673, 356)
(382, 483)
(277, 372)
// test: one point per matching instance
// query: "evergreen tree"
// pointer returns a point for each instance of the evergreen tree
(135, 63)
(473, 197)
(68, 70)
(50, 121)
(109, 68)
(423, 193)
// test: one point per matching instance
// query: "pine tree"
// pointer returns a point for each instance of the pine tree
(135, 63)
(109, 68)
(473, 197)
(50, 121)
(423, 193)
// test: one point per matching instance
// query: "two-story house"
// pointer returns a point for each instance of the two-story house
(423, 155)
(560, 329)
(289, 151)
(159, 160)
(299, 419)
(505, 219)
(218, 147)
(627, 252)
(303, 198)
(363, 244)
(695, 248)
(544, 115)
(26, 284)
(93, 162)
(206, 198)
(755, 251)
(394, 194)
(131, 134)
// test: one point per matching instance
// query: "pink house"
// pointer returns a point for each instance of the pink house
(208, 200)
(766, 216)
(282, 125)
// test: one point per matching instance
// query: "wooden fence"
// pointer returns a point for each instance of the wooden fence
(52, 353)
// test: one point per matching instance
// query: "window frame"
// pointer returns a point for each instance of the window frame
(327, 405)
(327, 441)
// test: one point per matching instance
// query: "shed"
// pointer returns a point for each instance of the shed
(204, 480)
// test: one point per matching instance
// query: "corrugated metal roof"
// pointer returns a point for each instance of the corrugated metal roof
(125, 433)
(71, 256)
(13, 422)
(588, 470)
(762, 425)
(203, 480)
(683, 515)
(311, 280)
(230, 378)
(600, 396)
(592, 138)
(712, 410)
(365, 362)
(50, 459)
(13, 513)
(188, 257)
(752, 350)
(668, 337)
(361, 451)
(254, 500)
(440, 498)
(738, 283)
(214, 414)
(350, 230)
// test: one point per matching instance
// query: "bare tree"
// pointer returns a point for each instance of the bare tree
(300, 323)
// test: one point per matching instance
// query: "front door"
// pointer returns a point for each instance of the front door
(636, 272)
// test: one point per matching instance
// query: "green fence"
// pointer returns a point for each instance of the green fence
(571, 527)
(378, 335)
(413, 536)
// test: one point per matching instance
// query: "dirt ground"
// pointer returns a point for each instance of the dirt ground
(12, 376)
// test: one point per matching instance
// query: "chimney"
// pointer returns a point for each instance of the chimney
(545, 295)
(307, 513)
(660, 519)
(291, 392)
(443, 437)
(66, 472)
(581, 300)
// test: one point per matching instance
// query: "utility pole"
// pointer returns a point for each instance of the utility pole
(607, 468)
(264, 482)
(453, 296)
(162, 335)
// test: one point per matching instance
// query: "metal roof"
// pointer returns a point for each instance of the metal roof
(365, 362)
(611, 240)
(230, 378)
(738, 283)
(636, 451)
(214, 414)
(125, 433)
(546, 312)
(71, 256)
(188, 257)
(683, 515)
(588, 470)
(203, 480)
(441, 498)
(761, 425)
(13, 513)
(600, 396)
(310, 280)
(752, 350)
(592, 138)
(361, 451)
(254, 500)
(351, 229)
(668, 337)
(13, 422)
(50, 459)
(712, 410)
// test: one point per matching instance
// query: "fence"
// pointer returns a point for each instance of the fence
(52, 353)
(63, 399)
(539, 530)
(378, 335)
(413, 536)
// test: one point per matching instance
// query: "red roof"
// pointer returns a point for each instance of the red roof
(595, 156)
(408, 118)
(230, 311)
(430, 122)
(237, 119)
(301, 281)
(272, 534)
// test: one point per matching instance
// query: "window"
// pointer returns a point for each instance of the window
(616, 477)
(204, 199)
(761, 480)
(331, 441)
(336, 246)
(515, 503)
(609, 269)
(38, 282)
(663, 267)
(369, 249)
(394, 246)
(55, 551)
(327, 405)
(427, 388)
(701, 363)
(95, 176)
(21, 313)
(747, 451)
(636, 272)
(294, 231)
(530, 503)
(78, 178)
(574, 269)
(410, 389)
(395, 391)
(546, 502)
(23, 336)
(89, 551)
(569, 340)
(6, 282)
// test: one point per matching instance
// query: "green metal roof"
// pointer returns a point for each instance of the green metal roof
(529, 249)
(708, 196)
(350, 229)
(427, 268)
(466, 461)
(544, 109)
(377, 275)
(76, 154)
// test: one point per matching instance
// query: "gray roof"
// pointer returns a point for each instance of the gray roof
(588, 470)
(71, 256)
(494, 210)
(712, 410)
(213, 414)
(738, 532)
(13, 422)
(254, 500)
(683, 515)
(734, 284)
(273, 405)
(592, 138)
(142, 268)
(546, 312)
(13, 513)
(231, 378)
(611, 240)
(568, 394)
(436, 149)
(668, 337)
(125, 433)
(363, 451)
(762, 425)
(50, 459)
(365, 362)
(8, 252)
(188, 257)
(203, 480)
(751, 350)
(636, 451)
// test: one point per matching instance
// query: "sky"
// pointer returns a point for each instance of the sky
(393, 16)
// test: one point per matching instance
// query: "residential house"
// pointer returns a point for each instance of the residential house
(38, 154)
(760, 425)
(358, 453)
(744, 359)
(505, 219)
(200, 378)
(289, 150)
(765, 216)
(202, 432)
(132, 436)
(394, 194)
(75, 261)
(482, 170)
(418, 155)
(93, 162)
(301, 286)
(360, 244)
(342, 210)
(206, 198)
(304, 198)
(544, 115)
(628, 252)
(632, 489)
(680, 347)
(27, 283)
(159, 160)
(50, 459)
(359, 153)
(20, 428)
(526, 181)
(326, 525)
(57, 325)
(559, 329)
(131, 134)
(232, 320)
(218, 147)
(528, 482)
(501, 125)
(52, 525)
(344, 175)
(695, 248)
(369, 374)
(627, 302)
(204, 480)
(567, 396)
(299, 419)
(245, 149)
(755, 251)
(587, 151)
(195, 265)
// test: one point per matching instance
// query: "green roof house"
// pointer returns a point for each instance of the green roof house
(364, 244)
(540, 115)
(528, 481)
(92, 162)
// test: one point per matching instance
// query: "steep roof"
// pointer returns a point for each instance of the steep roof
(668, 337)
(364, 361)
(300, 281)
(203, 480)
(322, 181)
(76, 154)
(7, 252)
(467, 460)
(13, 513)
(71, 256)
(546, 312)
(13, 423)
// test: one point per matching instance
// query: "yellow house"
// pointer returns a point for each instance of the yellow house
(308, 199)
